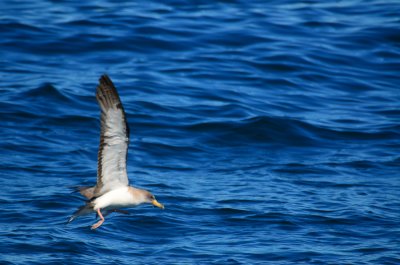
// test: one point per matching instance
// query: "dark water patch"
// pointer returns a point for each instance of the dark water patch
(262, 129)
(12, 27)
(326, 184)
(295, 168)
(85, 23)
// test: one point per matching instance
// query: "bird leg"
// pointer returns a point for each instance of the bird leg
(100, 222)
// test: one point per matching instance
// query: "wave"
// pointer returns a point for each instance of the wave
(284, 130)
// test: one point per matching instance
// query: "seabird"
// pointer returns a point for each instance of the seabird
(112, 190)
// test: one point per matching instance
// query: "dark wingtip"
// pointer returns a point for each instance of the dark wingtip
(105, 79)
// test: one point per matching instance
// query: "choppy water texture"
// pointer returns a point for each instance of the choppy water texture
(269, 129)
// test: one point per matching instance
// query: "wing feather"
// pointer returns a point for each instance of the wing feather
(114, 139)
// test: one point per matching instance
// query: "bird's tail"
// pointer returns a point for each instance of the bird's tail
(88, 192)
(84, 210)
(85, 191)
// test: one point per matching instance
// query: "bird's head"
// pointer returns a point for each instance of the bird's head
(150, 198)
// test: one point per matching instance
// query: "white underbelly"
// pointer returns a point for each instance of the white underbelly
(115, 199)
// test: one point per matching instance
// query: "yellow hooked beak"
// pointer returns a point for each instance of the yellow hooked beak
(156, 203)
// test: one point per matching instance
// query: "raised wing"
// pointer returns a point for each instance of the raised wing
(114, 139)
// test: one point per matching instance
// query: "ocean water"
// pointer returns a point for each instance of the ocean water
(269, 129)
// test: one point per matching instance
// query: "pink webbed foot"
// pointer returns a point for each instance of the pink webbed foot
(100, 222)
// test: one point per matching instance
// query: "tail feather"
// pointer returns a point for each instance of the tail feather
(84, 210)
(87, 192)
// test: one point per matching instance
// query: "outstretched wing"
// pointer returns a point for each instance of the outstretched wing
(114, 139)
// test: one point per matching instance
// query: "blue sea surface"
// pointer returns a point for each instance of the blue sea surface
(269, 129)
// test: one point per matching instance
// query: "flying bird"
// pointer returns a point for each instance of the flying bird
(112, 190)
